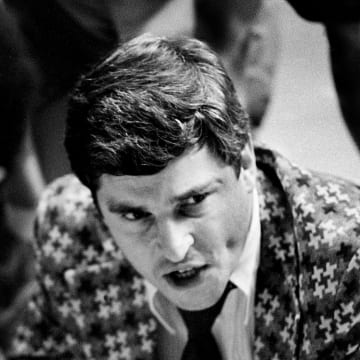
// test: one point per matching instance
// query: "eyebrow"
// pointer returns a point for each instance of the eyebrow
(120, 207)
(201, 188)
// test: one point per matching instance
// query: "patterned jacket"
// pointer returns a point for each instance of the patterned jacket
(91, 304)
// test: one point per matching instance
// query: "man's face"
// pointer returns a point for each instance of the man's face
(183, 228)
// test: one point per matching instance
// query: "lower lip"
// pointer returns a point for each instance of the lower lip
(188, 282)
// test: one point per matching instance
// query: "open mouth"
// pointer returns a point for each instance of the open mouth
(186, 277)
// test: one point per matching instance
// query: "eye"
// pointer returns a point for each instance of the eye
(195, 199)
(135, 215)
(194, 205)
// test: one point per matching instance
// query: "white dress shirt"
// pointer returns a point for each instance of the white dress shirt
(234, 327)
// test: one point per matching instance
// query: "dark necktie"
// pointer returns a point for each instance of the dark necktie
(201, 343)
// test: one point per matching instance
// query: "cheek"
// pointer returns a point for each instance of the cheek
(129, 244)
(236, 226)
(234, 229)
(215, 233)
(232, 243)
(139, 256)
(137, 252)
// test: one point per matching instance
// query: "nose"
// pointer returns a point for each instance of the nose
(174, 240)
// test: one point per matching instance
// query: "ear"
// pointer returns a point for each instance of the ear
(248, 166)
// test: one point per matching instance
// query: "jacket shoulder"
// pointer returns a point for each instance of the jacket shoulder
(324, 212)
(91, 303)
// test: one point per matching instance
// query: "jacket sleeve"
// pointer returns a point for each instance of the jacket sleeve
(90, 303)
(347, 313)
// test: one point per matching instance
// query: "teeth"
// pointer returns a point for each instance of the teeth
(184, 270)
(185, 273)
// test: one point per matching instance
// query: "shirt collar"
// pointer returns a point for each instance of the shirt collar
(244, 275)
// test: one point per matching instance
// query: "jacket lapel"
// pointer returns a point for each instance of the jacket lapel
(277, 310)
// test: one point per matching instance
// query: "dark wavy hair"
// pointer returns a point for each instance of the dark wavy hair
(148, 102)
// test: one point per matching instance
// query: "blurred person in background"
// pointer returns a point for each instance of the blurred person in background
(341, 20)
(20, 180)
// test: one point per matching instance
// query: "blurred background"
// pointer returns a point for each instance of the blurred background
(303, 120)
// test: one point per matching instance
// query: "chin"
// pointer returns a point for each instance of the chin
(197, 299)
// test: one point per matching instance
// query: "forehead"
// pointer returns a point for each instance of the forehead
(193, 169)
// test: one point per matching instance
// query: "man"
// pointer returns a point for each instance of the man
(178, 209)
